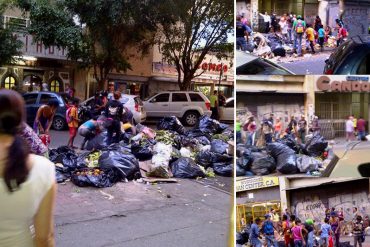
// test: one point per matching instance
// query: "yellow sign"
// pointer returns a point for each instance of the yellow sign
(256, 183)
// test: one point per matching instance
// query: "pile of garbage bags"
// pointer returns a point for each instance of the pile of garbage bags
(284, 156)
(171, 151)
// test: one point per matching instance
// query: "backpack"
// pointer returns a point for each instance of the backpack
(268, 228)
(300, 27)
(68, 117)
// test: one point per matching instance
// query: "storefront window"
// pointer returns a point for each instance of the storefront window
(9, 82)
(55, 86)
(206, 90)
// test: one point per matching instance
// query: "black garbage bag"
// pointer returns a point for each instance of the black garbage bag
(99, 142)
(279, 51)
(222, 158)
(142, 150)
(53, 155)
(316, 145)
(239, 170)
(124, 164)
(246, 160)
(60, 177)
(171, 123)
(286, 158)
(219, 146)
(186, 168)
(290, 142)
(205, 158)
(69, 160)
(126, 137)
(188, 142)
(87, 177)
(242, 237)
(240, 149)
(203, 140)
(223, 169)
(262, 164)
(210, 126)
(194, 133)
(308, 164)
(229, 133)
(121, 147)
(65, 149)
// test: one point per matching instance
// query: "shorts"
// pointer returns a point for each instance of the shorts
(72, 131)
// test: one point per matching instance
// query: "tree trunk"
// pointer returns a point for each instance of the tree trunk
(185, 84)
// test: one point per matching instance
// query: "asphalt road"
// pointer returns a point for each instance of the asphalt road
(313, 65)
(187, 213)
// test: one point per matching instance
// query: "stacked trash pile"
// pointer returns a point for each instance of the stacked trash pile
(170, 151)
(285, 156)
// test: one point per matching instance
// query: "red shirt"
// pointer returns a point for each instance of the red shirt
(361, 124)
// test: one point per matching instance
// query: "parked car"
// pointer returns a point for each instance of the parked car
(353, 162)
(132, 102)
(188, 106)
(34, 100)
(350, 58)
(227, 111)
(248, 64)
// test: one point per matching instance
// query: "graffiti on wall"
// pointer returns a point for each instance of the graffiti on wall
(313, 207)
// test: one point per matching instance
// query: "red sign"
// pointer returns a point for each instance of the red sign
(214, 67)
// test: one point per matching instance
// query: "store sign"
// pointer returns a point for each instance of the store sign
(324, 83)
(214, 67)
(256, 183)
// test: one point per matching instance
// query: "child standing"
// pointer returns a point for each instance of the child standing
(325, 232)
(72, 119)
(310, 33)
(321, 37)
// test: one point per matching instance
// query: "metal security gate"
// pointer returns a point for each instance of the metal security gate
(331, 119)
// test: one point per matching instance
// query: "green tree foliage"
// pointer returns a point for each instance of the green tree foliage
(190, 30)
(99, 34)
(9, 45)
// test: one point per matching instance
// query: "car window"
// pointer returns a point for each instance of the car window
(196, 97)
(30, 99)
(364, 170)
(45, 98)
(230, 104)
(339, 54)
(179, 97)
(364, 67)
(164, 97)
(260, 67)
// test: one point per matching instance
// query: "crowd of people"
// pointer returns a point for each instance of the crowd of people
(297, 233)
(292, 29)
(272, 129)
(355, 127)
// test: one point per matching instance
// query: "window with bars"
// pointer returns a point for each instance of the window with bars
(15, 23)
(9, 82)
(55, 86)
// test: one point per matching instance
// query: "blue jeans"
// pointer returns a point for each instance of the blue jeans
(361, 135)
(270, 239)
(250, 139)
(298, 42)
(238, 137)
(256, 242)
(310, 239)
(241, 43)
(298, 243)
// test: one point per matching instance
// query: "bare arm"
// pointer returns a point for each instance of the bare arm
(38, 115)
(43, 221)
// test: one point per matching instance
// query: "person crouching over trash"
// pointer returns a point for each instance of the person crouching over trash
(128, 121)
(90, 129)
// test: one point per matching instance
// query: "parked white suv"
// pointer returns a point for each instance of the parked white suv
(188, 106)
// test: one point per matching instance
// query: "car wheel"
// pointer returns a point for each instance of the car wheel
(59, 123)
(191, 118)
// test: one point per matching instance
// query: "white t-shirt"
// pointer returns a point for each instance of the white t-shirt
(17, 209)
(284, 27)
(350, 126)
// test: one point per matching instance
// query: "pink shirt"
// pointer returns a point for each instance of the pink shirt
(297, 233)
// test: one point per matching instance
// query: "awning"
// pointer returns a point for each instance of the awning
(327, 181)
(271, 91)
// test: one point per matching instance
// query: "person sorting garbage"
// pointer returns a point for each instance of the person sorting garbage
(90, 129)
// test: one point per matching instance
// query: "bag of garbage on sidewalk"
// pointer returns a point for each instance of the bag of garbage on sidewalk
(99, 142)
(286, 158)
(162, 154)
(239, 170)
(60, 177)
(68, 159)
(223, 169)
(210, 126)
(290, 142)
(171, 123)
(308, 164)
(142, 150)
(316, 145)
(94, 177)
(262, 164)
(219, 146)
(124, 164)
(186, 168)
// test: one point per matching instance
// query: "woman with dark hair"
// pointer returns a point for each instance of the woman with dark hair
(44, 117)
(27, 182)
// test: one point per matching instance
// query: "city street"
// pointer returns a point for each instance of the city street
(191, 212)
